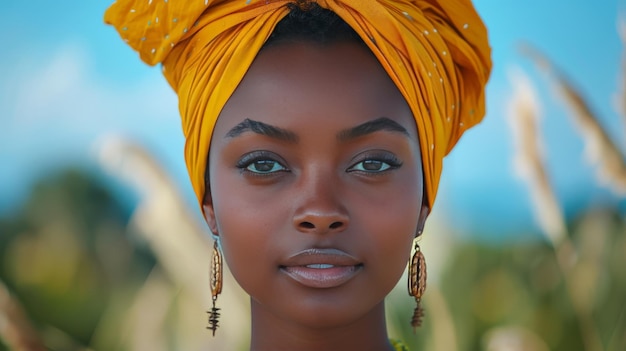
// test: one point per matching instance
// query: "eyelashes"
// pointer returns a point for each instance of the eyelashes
(375, 163)
(261, 163)
(266, 163)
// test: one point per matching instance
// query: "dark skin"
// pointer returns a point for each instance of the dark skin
(316, 193)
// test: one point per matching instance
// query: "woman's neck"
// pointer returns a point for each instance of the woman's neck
(271, 333)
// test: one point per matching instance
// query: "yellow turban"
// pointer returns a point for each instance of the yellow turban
(436, 52)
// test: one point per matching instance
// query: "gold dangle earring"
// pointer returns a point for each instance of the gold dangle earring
(417, 284)
(216, 286)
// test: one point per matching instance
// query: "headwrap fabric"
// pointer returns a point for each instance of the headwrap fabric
(436, 52)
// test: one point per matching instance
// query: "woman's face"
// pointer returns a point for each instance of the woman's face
(315, 183)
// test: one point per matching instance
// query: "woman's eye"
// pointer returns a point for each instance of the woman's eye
(264, 166)
(261, 163)
(371, 166)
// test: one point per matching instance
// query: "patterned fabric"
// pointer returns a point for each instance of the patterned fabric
(436, 52)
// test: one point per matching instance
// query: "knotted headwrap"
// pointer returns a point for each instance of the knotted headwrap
(435, 51)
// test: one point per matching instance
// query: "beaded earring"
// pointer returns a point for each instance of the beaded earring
(417, 284)
(216, 286)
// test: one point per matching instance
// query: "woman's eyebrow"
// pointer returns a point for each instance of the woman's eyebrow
(375, 125)
(261, 128)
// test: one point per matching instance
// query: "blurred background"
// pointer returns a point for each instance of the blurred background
(102, 246)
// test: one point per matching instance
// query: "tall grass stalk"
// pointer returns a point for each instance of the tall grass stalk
(600, 149)
(182, 248)
(444, 332)
(524, 112)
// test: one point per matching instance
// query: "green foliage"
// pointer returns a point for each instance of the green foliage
(67, 253)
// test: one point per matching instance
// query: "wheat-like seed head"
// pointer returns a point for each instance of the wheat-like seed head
(524, 113)
(600, 149)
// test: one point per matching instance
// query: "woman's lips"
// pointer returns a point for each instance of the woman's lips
(321, 268)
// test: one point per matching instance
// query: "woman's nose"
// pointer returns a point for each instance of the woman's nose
(320, 209)
(321, 222)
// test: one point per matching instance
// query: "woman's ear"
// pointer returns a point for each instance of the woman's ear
(209, 211)
(422, 219)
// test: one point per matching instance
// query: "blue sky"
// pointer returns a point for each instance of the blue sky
(66, 80)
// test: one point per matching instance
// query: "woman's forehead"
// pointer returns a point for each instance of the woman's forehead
(296, 84)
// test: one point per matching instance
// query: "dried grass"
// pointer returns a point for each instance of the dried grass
(512, 338)
(182, 248)
(524, 113)
(161, 216)
(600, 149)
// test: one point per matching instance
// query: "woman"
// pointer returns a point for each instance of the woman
(315, 132)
